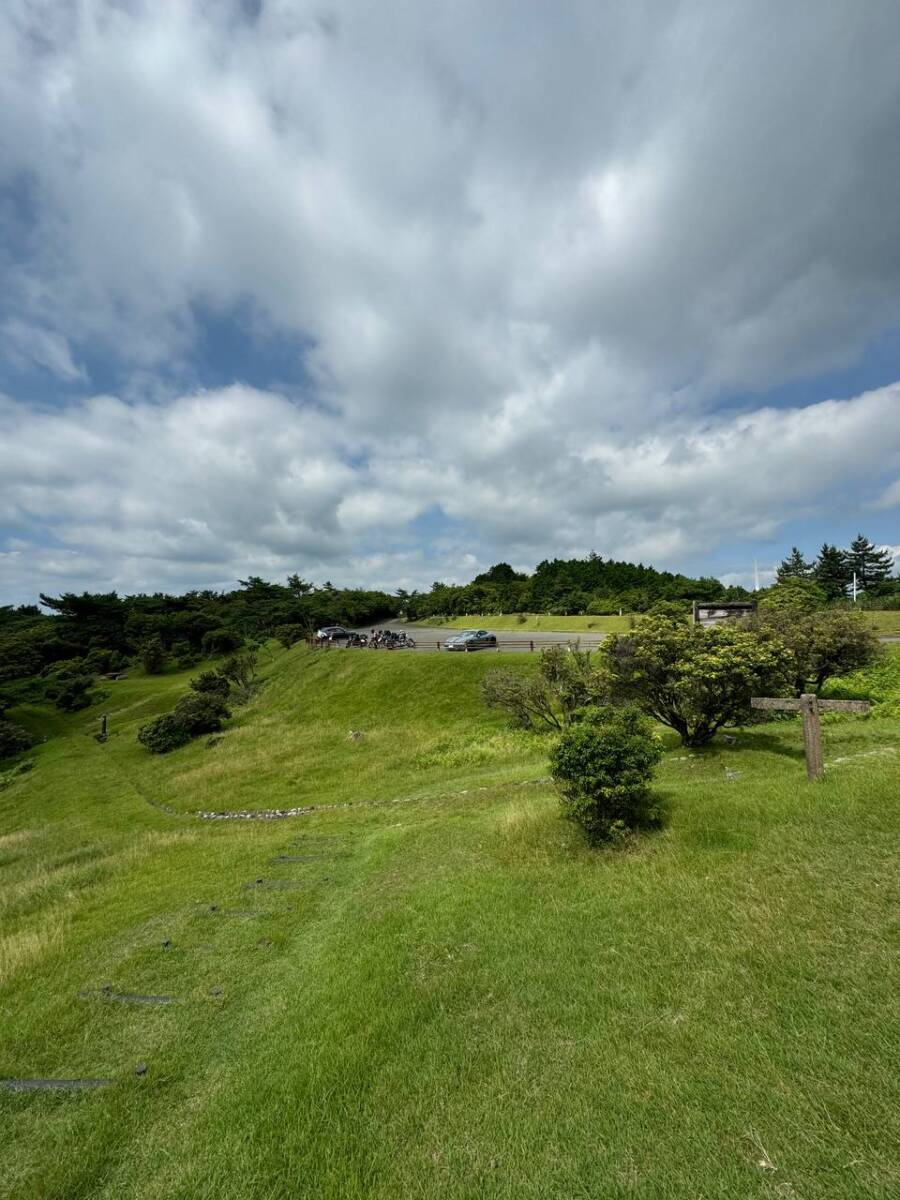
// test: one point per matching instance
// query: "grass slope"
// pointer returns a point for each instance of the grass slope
(536, 621)
(459, 1000)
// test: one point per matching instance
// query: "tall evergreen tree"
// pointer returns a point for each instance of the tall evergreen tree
(795, 566)
(872, 566)
(831, 572)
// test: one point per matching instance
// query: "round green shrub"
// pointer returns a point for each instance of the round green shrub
(163, 734)
(201, 712)
(71, 695)
(603, 765)
(211, 683)
(13, 739)
(289, 634)
(101, 661)
(221, 641)
(153, 655)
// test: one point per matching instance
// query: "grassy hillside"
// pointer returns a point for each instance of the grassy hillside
(537, 621)
(423, 726)
(455, 998)
(885, 622)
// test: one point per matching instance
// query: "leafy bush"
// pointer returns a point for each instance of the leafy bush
(101, 661)
(820, 645)
(675, 610)
(289, 635)
(695, 678)
(240, 671)
(201, 713)
(66, 668)
(220, 641)
(603, 606)
(565, 681)
(879, 682)
(211, 683)
(163, 734)
(13, 739)
(603, 765)
(880, 601)
(793, 595)
(153, 655)
(71, 694)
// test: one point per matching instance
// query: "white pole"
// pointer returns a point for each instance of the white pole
(756, 575)
(854, 587)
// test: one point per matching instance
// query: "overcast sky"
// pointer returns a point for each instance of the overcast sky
(386, 292)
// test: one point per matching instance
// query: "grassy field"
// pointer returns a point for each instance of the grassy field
(537, 621)
(456, 998)
(884, 622)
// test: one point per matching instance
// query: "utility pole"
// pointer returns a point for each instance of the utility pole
(854, 587)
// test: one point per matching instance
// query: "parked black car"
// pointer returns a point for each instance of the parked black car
(333, 633)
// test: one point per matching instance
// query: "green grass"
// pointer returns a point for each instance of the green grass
(462, 1000)
(885, 622)
(537, 621)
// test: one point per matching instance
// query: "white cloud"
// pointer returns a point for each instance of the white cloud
(530, 247)
(212, 486)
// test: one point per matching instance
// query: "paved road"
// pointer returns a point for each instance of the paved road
(433, 638)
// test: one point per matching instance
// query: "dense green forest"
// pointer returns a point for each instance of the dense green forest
(564, 586)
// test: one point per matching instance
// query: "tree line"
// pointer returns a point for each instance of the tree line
(76, 637)
(603, 587)
(563, 586)
(833, 570)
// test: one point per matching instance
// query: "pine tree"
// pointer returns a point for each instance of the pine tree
(872, 566)
(831, 572)
(795, 566)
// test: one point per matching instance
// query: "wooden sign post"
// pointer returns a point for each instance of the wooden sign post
(809, 705)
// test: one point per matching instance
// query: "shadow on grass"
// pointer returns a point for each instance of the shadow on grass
(746, 743)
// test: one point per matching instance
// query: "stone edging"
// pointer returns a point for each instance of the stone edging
(278, 814)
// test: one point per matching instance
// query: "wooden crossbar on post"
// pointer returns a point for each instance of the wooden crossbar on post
(809, 706)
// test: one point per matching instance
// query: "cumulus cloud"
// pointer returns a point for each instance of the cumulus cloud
(529, 252)
(214, 485)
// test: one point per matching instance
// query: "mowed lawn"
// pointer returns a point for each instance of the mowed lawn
(886, 623)
(542, 622)
(453, 997)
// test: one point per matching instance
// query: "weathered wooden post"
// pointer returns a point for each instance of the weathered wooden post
(531, 645)
(809, 705)
(812, 735)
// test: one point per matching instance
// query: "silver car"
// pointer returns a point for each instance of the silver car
(471, 639)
